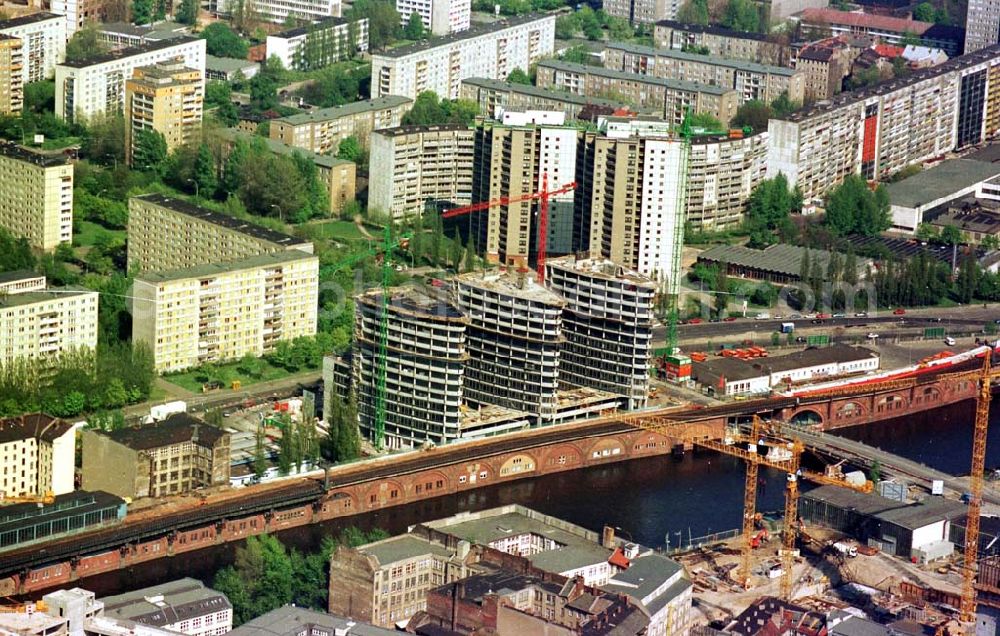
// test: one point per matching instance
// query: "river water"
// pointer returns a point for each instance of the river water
(652, 500)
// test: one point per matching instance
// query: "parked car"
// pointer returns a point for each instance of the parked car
(729, 319)
(800, 339)
(861, 314)
(872, 336)
(899, 312)
(949, 341)
(694, 321)
(933, 319)
(817, 321)
(840, 315)
(822, 316)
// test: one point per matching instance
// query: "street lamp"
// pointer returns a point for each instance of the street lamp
(281, 214)
(197, 190)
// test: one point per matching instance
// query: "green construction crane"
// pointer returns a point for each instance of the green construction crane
(685, 131)
(385, 248)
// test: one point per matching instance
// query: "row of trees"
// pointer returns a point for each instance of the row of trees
(77, 381)
(266, 575)
(429, 109)
(755, 113)
(739, 15)
(591, 24)
(854, 208)
(342, 442)
(299, 444)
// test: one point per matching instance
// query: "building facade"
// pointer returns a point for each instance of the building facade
(77, 13)
(38, 454)
(425, 363)
(167, 98)
(722, 173)
(225, 310)
(513, 339)
(319, 44)
(673, 98)
(440, 65)
(86, 88)
(291, 620)
(11, 75)
(643, 11)
(184, 606)
(166, 233)
(321, 131)
(279, 11)
(43, 38)
(825, 63)
(721, 42)
(36, 196)
(982, 24)
(493, 94)
(880, 130)
(440, 17)
(36, 323)
(887, 29)
(418, 165)
(173, 456)
(750, 80)
(608, 325)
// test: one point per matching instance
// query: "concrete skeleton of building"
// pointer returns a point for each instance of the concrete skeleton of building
(166, 98)
(176, 455)
(43, 43)
(750, 80)
(291, 620)
(672, 99)
(36, 322)
(879, 130)
(225, 310)
(319, 44)
(184, 605)
(721, 42)
(96, 85)
(440, 17)
(321, 131)
(36, 196)
(37, 455)
(279, 11)
(439, 65)
(168, 234)
(11, 75)
(418, 165)
(492, 95)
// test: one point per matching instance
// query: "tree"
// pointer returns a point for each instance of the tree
(742, 15)
(518, 76)
(951, 235)
(457, 251)
(852, 208)
(142, 11)
(428, 109)
(222, 41)
(927, 233)
(260, 579)
(149, 150)
(705, 120)
(694, 12)
(105, 139)
(384, 22)
(263, 92)
(342, 442)
(753, 113)
(566, 27)
(414, 29)
(924, 12)
(259, 453)
(875, 472)
(204, 172)
(350, 149)
(471, 261)
(85, 43)
(589, 23)
(187, 13)
(782, 106)
(769, 209)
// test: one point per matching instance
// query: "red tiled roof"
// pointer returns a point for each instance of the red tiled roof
(888, 50)
(865, 21)
(618, 559)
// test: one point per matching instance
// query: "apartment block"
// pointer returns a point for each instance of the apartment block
(608, 325)
(36, 196)
(642, 11)
(722, 173)
(36, 322)
(384, 582)
(43, 38)
(97, 85)
(721, 42)
(493, 94)
(887, 29)
(418, 165)
(184, 605)
(11, 75)
(672, 99)
(339, 175)
(426, 357)
(225, 310)
(167, 98)
(513, 158)
(982, 24)
(77, 13)
(750, 80)
(166, 233)
(319, 44)
(279, 11)
(879, 130)
(513, 338)
(21, 281)
(826, 63)
(490, 50)
(440, 17)
(173, 456)
(37, 455)
(321, 131)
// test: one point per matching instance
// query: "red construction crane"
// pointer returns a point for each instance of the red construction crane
(543, 212)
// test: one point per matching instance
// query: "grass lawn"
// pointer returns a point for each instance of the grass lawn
(340, 231)
(89, 231)
(193, 379)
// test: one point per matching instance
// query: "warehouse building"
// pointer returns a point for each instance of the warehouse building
(914, 200)
(71, 513)
(780, 263)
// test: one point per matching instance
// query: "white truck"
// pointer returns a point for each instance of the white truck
(162, 411)
(845, 549)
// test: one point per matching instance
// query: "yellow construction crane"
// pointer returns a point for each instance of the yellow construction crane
(971, 564)
(47, 498)
(783, 454)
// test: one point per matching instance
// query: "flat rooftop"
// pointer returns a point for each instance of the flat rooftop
(32, 297)
(208, 270)
(166, 604)
(130, 51)
(511, 283)
(714, 30)
(940, 181)
(412, 302)
(752, 67)
(600, 268)
(488, 415)
(548, 93)
(73, 504)
(403, 547)
(18, 275)
(293, 621)
(224, 220)
(906, 515)
(347, 110)
(23, 20)
(477, 30)
(402, 131)
(975, 219)
(46, 160)
(780, 258)
(227, 64)
(624, 76)
(332, 21)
